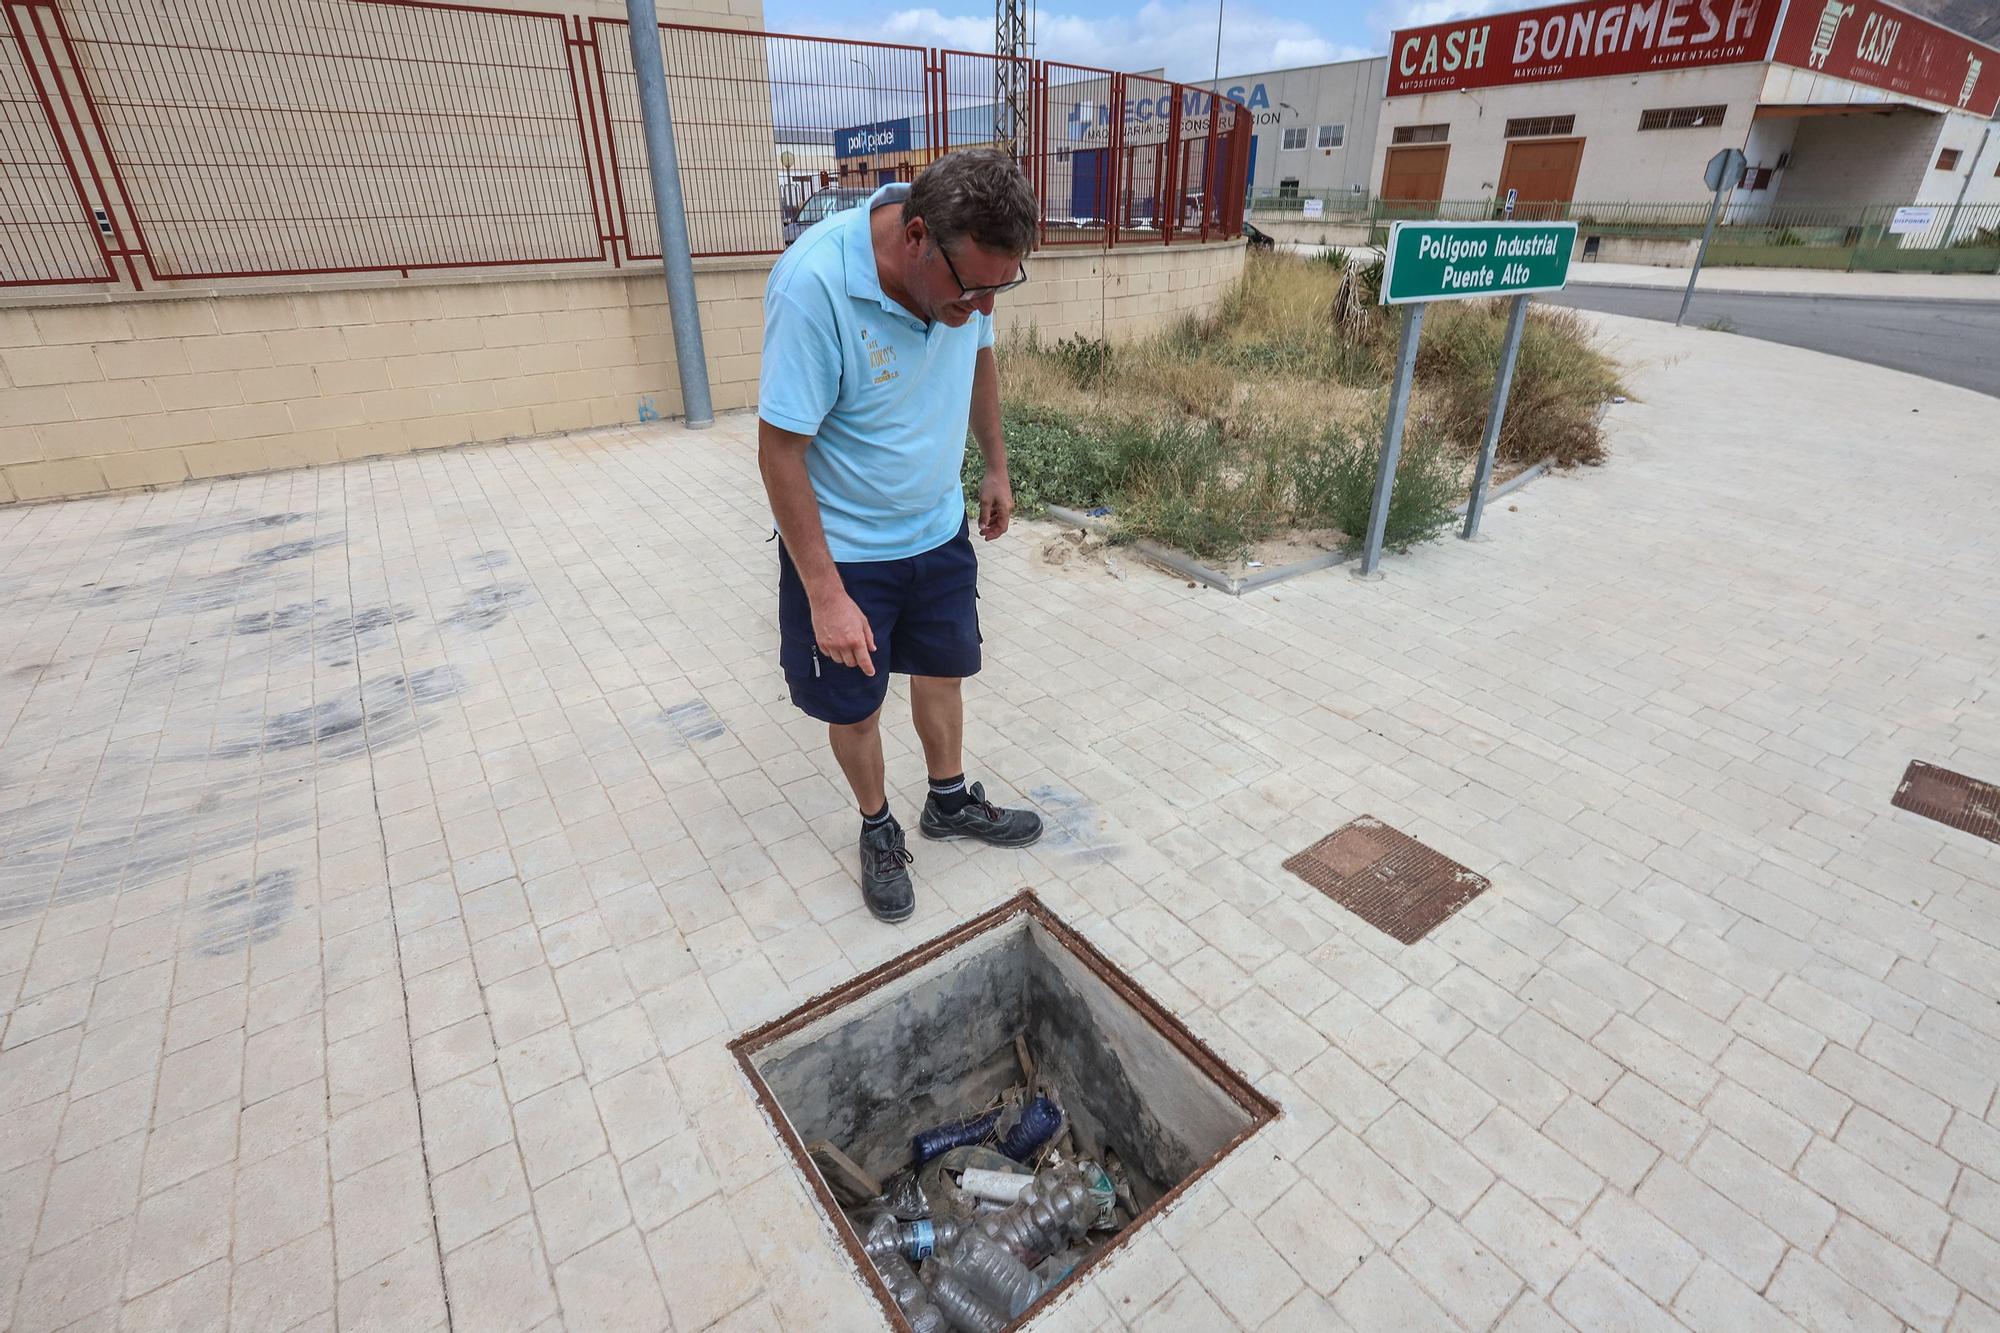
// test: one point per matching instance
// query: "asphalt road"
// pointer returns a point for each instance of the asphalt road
(1957, 342)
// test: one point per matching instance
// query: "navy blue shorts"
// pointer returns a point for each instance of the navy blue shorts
(924, 610)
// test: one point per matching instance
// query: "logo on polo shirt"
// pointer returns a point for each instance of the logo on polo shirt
(881, 360)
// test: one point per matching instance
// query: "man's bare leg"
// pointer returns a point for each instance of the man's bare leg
(937, 705)
(858, 748)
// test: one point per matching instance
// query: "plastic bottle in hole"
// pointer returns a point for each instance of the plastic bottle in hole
(883, 1246)
(915, 1241)
(964, 1310)
(990, 1269)
(1053, 1211)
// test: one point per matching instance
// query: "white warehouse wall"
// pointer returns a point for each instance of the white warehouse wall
(1619, 162)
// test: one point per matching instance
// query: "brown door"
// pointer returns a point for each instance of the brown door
(1415, 173)
(1544, 173)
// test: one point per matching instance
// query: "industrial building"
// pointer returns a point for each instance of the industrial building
(1833, 102)
(1315, 132)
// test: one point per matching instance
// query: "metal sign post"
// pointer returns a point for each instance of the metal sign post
(1446, 261)
(1392, 438)
(1510, 350)
(1721, 175)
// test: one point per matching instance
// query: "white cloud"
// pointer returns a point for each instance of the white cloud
(1422, 13)
(1179, 37)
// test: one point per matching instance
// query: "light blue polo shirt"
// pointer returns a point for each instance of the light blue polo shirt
(885, 396)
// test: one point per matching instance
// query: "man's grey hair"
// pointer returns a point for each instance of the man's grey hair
(976, 192)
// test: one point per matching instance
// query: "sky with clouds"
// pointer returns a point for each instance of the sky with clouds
(1257, 35)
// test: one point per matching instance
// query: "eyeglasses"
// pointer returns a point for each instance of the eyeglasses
(980, 293)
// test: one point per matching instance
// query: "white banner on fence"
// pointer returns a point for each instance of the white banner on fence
(1908, 220)
(1315, 208)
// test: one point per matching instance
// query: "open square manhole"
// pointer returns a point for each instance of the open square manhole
(949, 1030)
(1387, 878)
(1967, 804)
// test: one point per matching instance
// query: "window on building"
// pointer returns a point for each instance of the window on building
(1295, 137)
(1288, 188)
(1682, 117)
(1948, 160)
(1528, 127)
(1332, 136)
(1420, 134)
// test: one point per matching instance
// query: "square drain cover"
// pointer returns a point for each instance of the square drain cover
(1388, 879)
(1951, 798)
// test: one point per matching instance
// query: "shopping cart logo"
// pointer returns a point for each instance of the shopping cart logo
(1829, 24)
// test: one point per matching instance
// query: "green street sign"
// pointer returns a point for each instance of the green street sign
(1446, 261)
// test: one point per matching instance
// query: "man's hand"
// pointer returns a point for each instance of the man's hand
(844, 634)
(996, 505)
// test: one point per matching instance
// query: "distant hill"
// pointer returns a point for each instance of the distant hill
(1974, 18)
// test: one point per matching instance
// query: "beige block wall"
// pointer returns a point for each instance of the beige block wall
(1120, 294)
(145, 391)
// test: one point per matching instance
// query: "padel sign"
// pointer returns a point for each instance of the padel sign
(1443, 261)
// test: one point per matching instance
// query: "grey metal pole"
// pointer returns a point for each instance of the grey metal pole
(1392, 437)
(1517, 318)
(1714, 210)
(682, 306)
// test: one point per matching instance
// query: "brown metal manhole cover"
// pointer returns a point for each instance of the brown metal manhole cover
(1951, 798)
(1388, 879)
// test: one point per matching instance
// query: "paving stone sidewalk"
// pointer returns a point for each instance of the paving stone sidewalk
(387, 851)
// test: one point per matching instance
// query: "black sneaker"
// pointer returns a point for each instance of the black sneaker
(885, 877)
(980, 818)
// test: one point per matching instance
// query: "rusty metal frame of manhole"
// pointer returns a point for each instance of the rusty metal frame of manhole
(1966, 804)
(1388, 879)
(1206, 1063)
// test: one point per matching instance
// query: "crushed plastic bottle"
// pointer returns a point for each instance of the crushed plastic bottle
(965, 1311)
(929, 1143)
(1055, 1210)
(911, 1296)
(987, 1267)
(915, 1241)
(1040, 1119)
(1103, 1192)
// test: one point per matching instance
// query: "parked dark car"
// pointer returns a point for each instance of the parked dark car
(823, 205)
(1258, 240)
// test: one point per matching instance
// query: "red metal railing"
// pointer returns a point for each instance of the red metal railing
(48, 234)
(211, 139)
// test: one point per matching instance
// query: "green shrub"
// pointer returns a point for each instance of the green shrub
(1086, 360)
(1333, 484)
(1560, 381)
(1051, 459)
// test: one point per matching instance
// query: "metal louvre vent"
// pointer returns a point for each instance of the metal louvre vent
(1530, 127)
(1964, 803)
(1683, 117)
(1387, 878)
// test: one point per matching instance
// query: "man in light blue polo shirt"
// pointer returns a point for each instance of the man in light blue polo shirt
(878, 353)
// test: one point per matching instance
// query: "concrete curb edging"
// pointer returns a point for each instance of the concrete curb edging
(1188, 567)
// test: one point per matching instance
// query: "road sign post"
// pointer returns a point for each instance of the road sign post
(1447, 261)
(1510, 351)
(1721, 175)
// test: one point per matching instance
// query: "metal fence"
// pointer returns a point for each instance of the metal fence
(1940, 238)
(160, 141)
